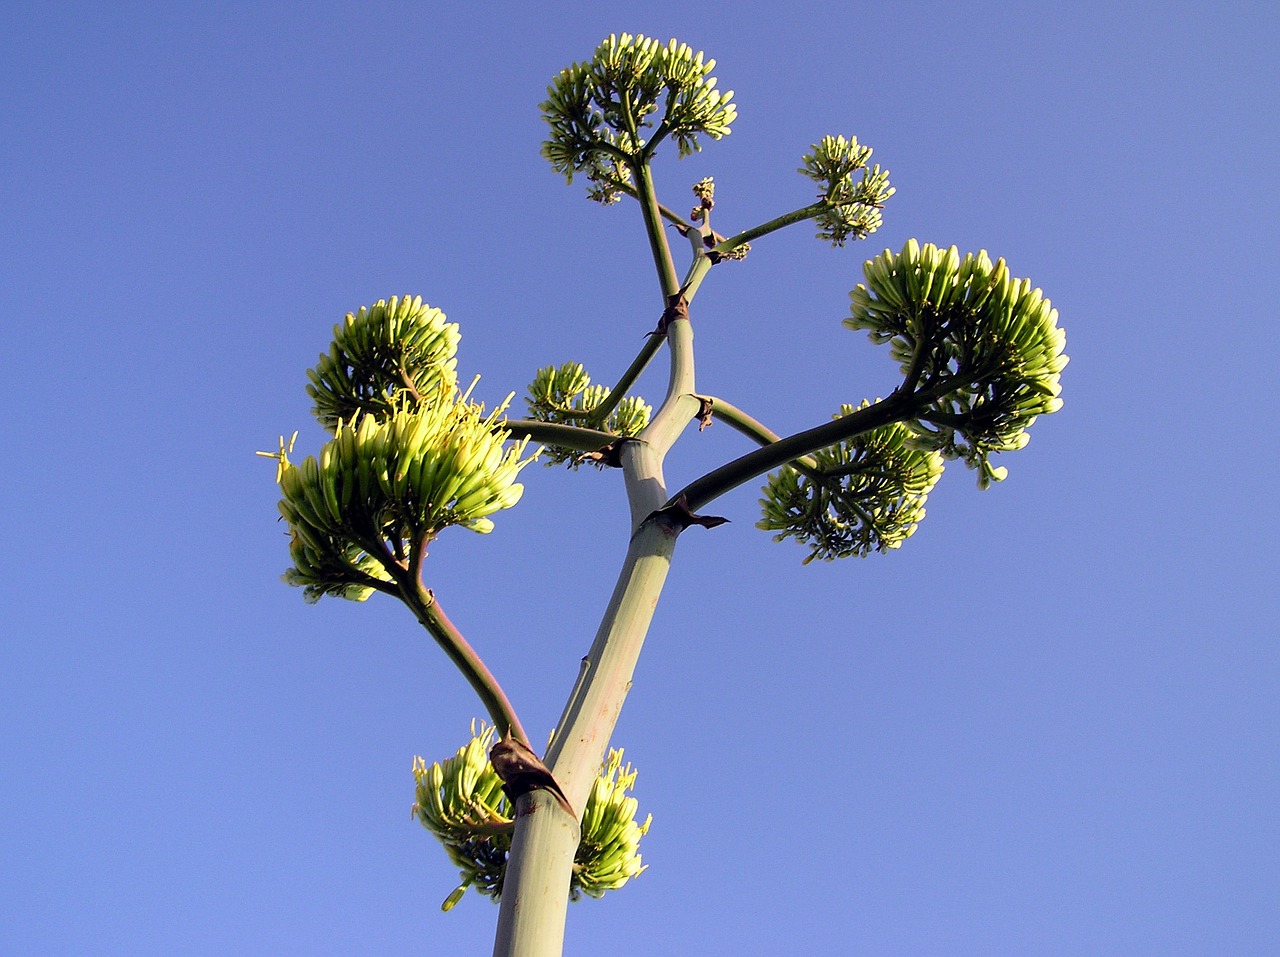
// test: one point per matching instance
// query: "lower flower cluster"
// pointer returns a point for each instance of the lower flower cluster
(460, 800)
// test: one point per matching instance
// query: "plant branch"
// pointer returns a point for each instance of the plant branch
(896, 408)
(667, 213)
(739, 421)
(663, 128)
(574, 437)
(773, 225)
(617, 152)
(427, 610)
(653, 228)
(600, 414)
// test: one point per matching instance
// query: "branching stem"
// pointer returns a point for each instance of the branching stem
(739, 421)
(896, 408)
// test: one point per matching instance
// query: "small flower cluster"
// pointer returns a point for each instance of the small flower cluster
(602, 113)
(397, 346)
(609, 849)
(868, 494)
(853, 202)
(564, 394)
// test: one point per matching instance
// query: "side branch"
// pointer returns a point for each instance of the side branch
(653, 227)
(574, 437)
(773, 225)
(670, 215)
(896, 408)
(600, 414)
(428, 611)
(739, 421)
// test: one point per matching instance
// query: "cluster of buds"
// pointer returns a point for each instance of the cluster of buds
(609, 849)
(705, 191)
(565, 394)
(409, 456)
(852, 202)
(400, 346)
(987, 346)
(608, 113)
(865, 494)
(460, 800)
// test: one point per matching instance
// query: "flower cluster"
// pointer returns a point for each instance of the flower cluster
(397, 346)
(409, 455)
(564, 394)
(853, 202)
(461, 801)
(866, 494)
(607, 113)
(984, 347)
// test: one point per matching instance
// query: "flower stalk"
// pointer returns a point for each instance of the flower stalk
(409, 455)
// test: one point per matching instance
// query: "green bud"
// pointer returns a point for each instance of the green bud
(565, 394)
(604, 113)
(853, 202)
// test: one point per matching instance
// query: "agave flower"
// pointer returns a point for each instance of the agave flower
(609, 113)
(984, 348)
(409, 456)
(865, 494)
(460, 800)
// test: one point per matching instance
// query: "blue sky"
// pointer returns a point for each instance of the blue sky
(1047, 725)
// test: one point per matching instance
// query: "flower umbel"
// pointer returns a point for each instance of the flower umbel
(397, 347)
(409, 456)
(607, 115)
(866, 494)
(985, 347)
(853, 202)
(565, 394)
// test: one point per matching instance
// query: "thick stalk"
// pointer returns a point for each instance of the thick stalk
(535, 890)
(539, 867)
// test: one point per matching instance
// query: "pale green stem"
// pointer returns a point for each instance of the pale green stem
(773, 225)
(669, 215)
(535, 889)
(539, 868)
(555, 433)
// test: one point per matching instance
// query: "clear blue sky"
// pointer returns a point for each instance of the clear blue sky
(1049, 725)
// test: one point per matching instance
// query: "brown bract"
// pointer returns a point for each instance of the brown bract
(522, 771)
